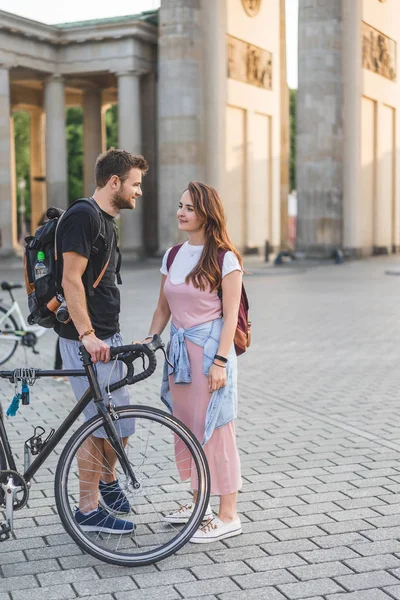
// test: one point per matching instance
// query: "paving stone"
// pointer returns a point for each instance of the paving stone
(363, 595)
(112, 585)
(375, 563)
(166, 593)
(264, 579)
(255, 594)
(30, 568)
(232, 554)
(305, 589)
(200, 588)
(226, 569)
(281, 561)
(375, 548)
(164, 578)
(70, 576)
(393, 591)
(364, 581)
(13, 584)
(56, 592)
(320, 570)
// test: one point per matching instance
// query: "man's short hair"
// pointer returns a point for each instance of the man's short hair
(117, 162)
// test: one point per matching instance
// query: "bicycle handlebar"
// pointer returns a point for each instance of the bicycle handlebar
(129, 353)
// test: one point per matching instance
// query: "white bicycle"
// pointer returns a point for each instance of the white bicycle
(13, 328)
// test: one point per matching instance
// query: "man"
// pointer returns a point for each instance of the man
(86, 247)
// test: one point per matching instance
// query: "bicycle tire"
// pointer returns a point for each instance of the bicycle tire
(135, 552)
(3, 341)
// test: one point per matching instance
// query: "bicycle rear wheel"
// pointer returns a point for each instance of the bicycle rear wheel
(168, 462)
(7, 326)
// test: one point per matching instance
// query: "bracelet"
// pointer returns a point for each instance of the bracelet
(217, 365)
(88, 332)
(221, 358)
(149, 337)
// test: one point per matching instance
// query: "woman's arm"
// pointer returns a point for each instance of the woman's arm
(161, 314)
(231, 292)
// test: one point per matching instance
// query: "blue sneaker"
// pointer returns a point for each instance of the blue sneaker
(101, 521)
(113, 499)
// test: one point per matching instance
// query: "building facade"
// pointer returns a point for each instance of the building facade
(348, 130)
(199, 90)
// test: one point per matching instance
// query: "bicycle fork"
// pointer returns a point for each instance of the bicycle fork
(117, 444)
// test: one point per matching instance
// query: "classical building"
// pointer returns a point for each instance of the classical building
(199, 86)
(348, 130)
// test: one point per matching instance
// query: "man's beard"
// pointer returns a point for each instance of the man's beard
(121, 200)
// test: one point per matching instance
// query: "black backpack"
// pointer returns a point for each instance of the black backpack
(45, 294)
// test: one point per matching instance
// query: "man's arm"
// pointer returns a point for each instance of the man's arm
(74, 267)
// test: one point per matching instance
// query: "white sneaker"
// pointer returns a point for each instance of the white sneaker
(215, 530)
(183, 514)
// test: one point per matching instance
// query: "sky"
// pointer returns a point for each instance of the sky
(49, 11)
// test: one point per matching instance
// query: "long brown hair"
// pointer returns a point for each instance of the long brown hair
(208, 206)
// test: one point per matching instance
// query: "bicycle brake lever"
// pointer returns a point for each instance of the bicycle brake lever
(166, 357)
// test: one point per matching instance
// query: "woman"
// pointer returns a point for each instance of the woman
(202, 351)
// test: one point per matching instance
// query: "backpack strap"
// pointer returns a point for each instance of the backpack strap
(172, 255)
(104, 269)
(221, 256)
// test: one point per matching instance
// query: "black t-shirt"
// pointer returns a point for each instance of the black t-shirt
(77, 232)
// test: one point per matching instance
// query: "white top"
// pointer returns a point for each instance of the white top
(187, 258)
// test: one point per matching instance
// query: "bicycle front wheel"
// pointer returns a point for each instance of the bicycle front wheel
(168, 463)
(7, 327)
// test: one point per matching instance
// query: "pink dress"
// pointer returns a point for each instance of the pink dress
(189, 307)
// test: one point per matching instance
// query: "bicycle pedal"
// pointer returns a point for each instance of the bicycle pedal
(5, 531)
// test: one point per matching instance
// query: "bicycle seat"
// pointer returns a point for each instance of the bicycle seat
(7, 286)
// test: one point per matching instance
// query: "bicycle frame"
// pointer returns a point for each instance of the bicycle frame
(94, 392)
(16, 336)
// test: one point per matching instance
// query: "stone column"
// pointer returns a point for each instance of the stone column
(180, 109)
(8, 232)
(38, 171)
(352, 90)
(92, 137)
(56, 146)
(285, 131)
(215, 92)
(320, 127)
(130, 139)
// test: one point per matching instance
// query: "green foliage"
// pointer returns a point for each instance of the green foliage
(112, 126)
(74, 132)
(292, 164)
(23, 157)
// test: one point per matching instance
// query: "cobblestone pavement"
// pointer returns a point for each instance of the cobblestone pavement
(318, 436)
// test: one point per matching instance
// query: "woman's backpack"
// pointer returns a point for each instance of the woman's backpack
(242, 339)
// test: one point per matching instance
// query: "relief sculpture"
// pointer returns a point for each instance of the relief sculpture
(251, 7)
(248, 63)
(378, 52)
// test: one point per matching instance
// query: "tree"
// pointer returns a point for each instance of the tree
(74, 119)
(292, 164)
(112, 126)
(22, 158)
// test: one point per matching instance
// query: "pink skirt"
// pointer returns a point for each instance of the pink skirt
(190, 403)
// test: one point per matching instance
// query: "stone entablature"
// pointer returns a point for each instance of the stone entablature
(120, 43)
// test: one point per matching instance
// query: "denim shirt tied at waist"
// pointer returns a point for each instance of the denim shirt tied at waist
(222, 407)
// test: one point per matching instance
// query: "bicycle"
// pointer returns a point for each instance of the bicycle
(146, 467)
(13, 327)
